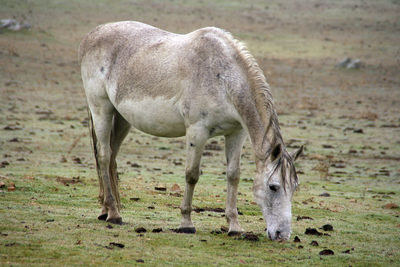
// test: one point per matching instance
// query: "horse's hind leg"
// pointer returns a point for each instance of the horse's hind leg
(233, 148)
(102, 112)
(196, 137)
(119, 131)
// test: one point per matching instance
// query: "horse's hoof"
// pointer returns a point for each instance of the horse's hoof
(187, 230)
(102, 217)
(234, 233)
(115, 220)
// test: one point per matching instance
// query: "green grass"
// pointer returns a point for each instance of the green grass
(45, 222)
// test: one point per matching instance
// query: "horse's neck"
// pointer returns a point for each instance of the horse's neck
(265, 137)
(263, 130)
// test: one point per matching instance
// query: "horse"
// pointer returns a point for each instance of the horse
(199, 85)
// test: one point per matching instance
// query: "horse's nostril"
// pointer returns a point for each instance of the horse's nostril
(278, 234)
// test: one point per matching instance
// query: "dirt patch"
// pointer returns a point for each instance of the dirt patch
(327, 227)
(140, 230)
(68, 181)
(160, 188)
(248, 236)
(213, 147)
(299, 218)
(391, 206)
(115, 245)
(326, 252)
(312, 231)
(218, 210)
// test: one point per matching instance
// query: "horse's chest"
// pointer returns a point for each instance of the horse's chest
(159, 116)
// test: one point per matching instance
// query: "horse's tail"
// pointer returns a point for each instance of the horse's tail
(112, 166)
(93, 140)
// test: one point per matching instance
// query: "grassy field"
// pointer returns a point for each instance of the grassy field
(347, 119)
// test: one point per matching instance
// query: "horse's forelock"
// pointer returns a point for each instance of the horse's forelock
(287, 164)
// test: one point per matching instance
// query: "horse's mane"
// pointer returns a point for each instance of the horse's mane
(259, 87)
(265, 106)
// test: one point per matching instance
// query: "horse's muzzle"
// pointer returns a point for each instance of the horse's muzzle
(278, 235)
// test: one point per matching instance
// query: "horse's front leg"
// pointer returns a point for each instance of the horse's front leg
(233, 148)
(196, 137)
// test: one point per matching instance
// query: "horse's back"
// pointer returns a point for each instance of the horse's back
(124, 35)
(160, 81)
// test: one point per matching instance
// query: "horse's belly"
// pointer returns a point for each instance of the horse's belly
(159, 117)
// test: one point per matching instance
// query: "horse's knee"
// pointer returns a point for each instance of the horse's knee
(104, 154)
(233, 175)
(192, 176)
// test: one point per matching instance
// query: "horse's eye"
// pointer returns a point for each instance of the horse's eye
(274, 187)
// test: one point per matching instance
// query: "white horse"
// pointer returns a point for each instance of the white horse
(201, 84)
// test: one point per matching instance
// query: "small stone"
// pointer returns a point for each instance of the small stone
(344, 62)
(354, 64)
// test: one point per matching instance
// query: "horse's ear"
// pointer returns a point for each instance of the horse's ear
(297, 153)
(276, 152)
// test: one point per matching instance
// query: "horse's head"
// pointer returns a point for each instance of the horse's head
(274, 186)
